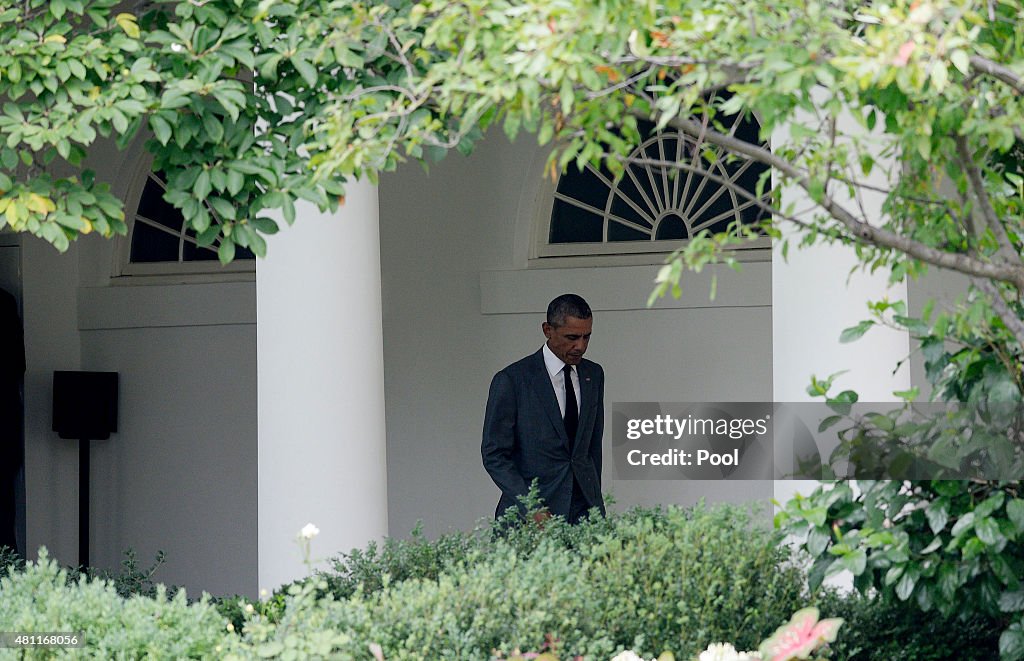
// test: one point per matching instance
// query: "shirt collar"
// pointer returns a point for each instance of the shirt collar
(552, 362)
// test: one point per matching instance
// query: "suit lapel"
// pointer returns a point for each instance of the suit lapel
(542, 387)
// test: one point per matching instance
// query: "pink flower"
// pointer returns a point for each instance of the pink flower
(800, 637)
(903, 54)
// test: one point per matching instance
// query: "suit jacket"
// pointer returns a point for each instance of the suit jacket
(524, 436)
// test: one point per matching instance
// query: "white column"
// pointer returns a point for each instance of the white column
(321, 386)
(814, 298)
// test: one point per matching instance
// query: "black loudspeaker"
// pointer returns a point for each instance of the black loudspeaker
(85, 404)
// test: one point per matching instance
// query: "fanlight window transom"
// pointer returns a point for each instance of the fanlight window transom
(651, 202)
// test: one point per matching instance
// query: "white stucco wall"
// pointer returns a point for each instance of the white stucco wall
(461, 301)
(180, 474)
(49, 294)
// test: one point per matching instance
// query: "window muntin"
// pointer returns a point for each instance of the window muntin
(650, 207)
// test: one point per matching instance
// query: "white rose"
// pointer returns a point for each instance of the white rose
(309, 531)
(628, 655)
(726, 652)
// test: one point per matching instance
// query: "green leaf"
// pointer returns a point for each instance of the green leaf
(965, 523)
(1011, 643)
(222, 207)
(816, 515)
(905, 587)
(1011, 602)
(214, 129)
(203, 186)
(1015, 511)
(855, 562)
(937, 514)
(828, 422)
(265, 225)
(819, 570)
(961, 61)
(816, 189)
(9, 158)
(988, 531)
(161, 129)
(872, 119)
(818, 540)
(907, 395)
(854, 332)
(235, 181)
(288, 209)
(226, 251)
(305, 69)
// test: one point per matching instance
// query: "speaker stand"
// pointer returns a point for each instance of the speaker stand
(83, 502)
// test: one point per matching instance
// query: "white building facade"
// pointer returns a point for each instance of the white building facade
(343, 380)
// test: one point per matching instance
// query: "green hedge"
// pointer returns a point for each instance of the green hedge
(886, 629)
(649, 580)
(40, 598)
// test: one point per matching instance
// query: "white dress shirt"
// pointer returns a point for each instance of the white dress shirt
(555, 366)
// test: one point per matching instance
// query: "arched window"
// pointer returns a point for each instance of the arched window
(653, 207)
(158, 242)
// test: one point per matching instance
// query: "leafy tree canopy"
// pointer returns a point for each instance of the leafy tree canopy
(252, 106)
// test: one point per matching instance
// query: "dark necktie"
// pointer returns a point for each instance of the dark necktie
(572, 412)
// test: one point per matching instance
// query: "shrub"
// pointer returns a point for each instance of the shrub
(687, 578)
(397, 560)
(41, 599)
(10, 561)
(649, 581)
(949, 547)
(128, 581)
(885, 629)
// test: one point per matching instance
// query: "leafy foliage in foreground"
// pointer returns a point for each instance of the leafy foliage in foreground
(41, 598)
(885, 629)
(650, 580)
(953, 547)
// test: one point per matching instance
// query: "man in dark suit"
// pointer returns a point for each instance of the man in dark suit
(545, 419)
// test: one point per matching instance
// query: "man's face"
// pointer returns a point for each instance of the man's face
(569, 341)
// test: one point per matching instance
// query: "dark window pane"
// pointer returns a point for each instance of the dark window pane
(715, 205)
(152, 245)
(624, 209)
(153, 207)
(671, 227)
(570, 224)
(584, 186)
(645, 179)
(619, 232)
(193, 253)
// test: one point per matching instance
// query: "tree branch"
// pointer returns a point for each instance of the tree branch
(1013, 322)
(997, 71)
(1006, 250)
(862, 231)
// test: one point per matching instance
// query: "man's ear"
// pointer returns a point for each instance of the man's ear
(547, 328)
